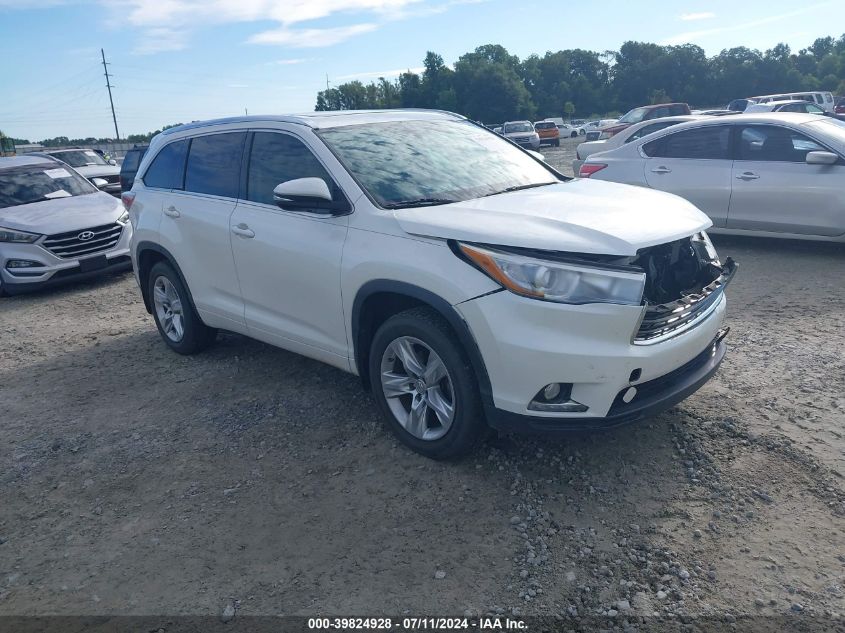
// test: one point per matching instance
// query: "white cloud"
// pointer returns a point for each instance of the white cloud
(694, 17)
(690, 36)
(289, 62)
(161, 39)
(168, 24)
(380, 73)
(311, 38)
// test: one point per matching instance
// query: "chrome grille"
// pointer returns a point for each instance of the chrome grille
(674, 316)
(593, 136)
(69, 245)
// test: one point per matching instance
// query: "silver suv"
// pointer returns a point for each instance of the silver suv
(522, 133)
(56, 226)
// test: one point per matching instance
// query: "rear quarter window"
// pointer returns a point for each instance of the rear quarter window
(168, 167)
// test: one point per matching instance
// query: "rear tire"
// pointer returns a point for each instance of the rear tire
(557, 142)
(424, 385)
(574, 134)
(178, 323)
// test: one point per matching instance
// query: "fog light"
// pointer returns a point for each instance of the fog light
(556, 397)
(551, 391)
(23, 263)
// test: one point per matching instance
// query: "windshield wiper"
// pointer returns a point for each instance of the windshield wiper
(519, 188)
(419, 202)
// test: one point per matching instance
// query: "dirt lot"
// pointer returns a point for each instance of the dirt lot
(254, 481)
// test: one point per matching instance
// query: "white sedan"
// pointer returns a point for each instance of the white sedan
(776, 175)
(628, 135)
(595, 125)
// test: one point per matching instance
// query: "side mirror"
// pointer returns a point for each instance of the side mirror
(99, 183)
(305, 194)
(821, 158)
(113, 162)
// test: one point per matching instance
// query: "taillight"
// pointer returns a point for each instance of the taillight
(127, 198)
(588, 169)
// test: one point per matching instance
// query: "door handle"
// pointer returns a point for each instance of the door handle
(172, 212)
(661, 170)
(242, 230)
(747, 175)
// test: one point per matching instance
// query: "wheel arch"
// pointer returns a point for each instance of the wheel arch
(379, 299)
(148, 254)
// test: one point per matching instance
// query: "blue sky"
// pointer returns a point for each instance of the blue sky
(181, 60)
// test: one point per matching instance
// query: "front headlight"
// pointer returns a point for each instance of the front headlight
(557, 281)
(124, 218)
(20, 237)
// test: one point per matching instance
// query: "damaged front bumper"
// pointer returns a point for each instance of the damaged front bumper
(650, 399)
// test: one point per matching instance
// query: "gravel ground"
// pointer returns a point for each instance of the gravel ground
(248, 480)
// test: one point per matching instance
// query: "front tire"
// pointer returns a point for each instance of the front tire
(177, 321)
(424, 385)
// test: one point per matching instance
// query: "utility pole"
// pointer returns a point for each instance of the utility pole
(327, 81)
(109, 86)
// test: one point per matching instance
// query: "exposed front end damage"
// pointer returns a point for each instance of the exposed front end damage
(684, 281)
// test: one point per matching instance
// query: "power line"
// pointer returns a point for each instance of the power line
(111, 101)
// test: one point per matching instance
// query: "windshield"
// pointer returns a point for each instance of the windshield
(35, 183)
(519, 126)
(833, 130)
(634, 116)
(80, 158)
(432, 162)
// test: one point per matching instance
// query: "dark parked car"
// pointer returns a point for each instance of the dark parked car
(130, 166)
(839, 106)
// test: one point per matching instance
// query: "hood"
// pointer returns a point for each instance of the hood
(62, 214)
(579, 216)
(94, 171)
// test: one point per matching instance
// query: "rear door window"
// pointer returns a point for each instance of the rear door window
(773, 143)
(706, 143)
(276, 158)
(168, 167)
(214, 164)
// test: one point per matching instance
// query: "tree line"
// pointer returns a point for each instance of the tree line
(64, 141)
(491, 85)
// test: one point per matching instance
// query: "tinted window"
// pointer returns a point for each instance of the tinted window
(545, 125)
(772, 143)
(214, 164)
(168, 167)
(277, 158)
(37, 183)
(711, 142)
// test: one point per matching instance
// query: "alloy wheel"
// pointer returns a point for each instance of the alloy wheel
(168, 307)
(418, 388)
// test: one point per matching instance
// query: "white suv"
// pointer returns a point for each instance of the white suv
(461, 278)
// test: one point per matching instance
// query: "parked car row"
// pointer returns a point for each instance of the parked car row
(466, 281)
(825, 100)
